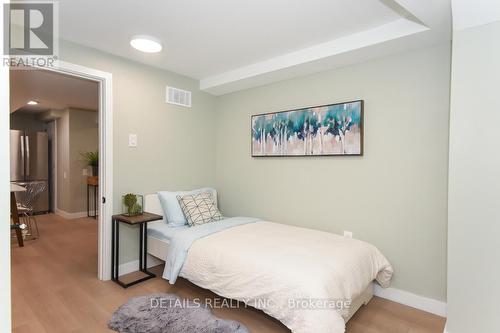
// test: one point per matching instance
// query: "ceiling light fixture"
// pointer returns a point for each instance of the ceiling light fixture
(146, 44)
(32, 103)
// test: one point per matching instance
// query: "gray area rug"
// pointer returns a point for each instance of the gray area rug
(167, 313)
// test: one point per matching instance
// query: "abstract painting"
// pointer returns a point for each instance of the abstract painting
(334, 129)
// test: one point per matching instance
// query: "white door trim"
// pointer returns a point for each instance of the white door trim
(105, 81)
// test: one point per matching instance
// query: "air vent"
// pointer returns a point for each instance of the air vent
(178, 97)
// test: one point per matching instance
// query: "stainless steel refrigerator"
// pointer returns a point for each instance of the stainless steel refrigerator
(29, 162)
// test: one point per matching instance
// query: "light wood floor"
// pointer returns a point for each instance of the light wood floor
(55, 289)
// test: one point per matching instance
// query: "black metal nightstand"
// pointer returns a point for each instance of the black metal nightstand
(142, 220)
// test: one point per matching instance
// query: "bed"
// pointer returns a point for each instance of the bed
(246, 264)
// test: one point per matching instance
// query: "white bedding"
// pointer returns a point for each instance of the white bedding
(274, 267)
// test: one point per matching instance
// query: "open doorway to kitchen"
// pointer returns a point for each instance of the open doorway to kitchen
(61, 167)
(54, 144)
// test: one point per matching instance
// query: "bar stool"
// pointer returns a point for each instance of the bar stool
(26, 205)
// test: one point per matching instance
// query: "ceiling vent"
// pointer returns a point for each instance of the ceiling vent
(178, 97)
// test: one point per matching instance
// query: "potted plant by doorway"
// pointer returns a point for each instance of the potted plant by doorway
(92, 159)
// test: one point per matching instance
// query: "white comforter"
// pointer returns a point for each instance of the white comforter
(293, 274)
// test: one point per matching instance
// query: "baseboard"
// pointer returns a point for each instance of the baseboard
(67, 215)
(415, 301)
(133, 266)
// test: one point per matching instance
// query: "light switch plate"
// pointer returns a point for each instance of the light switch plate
(132, 140)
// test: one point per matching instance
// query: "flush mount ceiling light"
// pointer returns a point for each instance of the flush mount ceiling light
(146, 44)
(32, 103)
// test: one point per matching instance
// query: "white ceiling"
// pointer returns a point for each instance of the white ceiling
(52, 90)
(467, 13)
(235, 44)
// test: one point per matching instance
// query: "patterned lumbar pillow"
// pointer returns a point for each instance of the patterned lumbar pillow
(199, 208)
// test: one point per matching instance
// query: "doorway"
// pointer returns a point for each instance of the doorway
(103, 123)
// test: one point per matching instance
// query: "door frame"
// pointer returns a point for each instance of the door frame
(105, 81)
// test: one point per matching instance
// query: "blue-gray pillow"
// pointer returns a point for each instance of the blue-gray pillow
(172, 212)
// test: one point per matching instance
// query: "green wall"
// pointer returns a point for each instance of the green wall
(176, 145)
(395, 196)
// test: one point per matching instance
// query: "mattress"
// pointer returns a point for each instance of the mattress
(161, 230)
(307, 279)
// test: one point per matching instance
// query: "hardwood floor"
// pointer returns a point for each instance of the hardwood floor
(55, 289)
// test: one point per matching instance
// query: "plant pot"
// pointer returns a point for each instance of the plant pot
(95, 171)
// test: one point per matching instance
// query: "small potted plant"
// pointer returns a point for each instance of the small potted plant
(132, 204)
(92, 160)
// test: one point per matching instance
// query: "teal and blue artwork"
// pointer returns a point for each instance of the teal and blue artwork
(334, 129)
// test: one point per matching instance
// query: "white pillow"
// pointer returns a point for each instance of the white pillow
(172, 212)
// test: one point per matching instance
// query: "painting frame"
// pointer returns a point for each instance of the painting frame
(360, 128)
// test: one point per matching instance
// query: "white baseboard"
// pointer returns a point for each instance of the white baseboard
(415, 301)
(67, 215)
(133, 266)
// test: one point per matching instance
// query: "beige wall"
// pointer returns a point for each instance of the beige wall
(77, 132)
(62, 130)
(395, 196)
(474, 190)
(176, 145)
(83, 137)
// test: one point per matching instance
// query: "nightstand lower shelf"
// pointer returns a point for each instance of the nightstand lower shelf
(123, 280)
